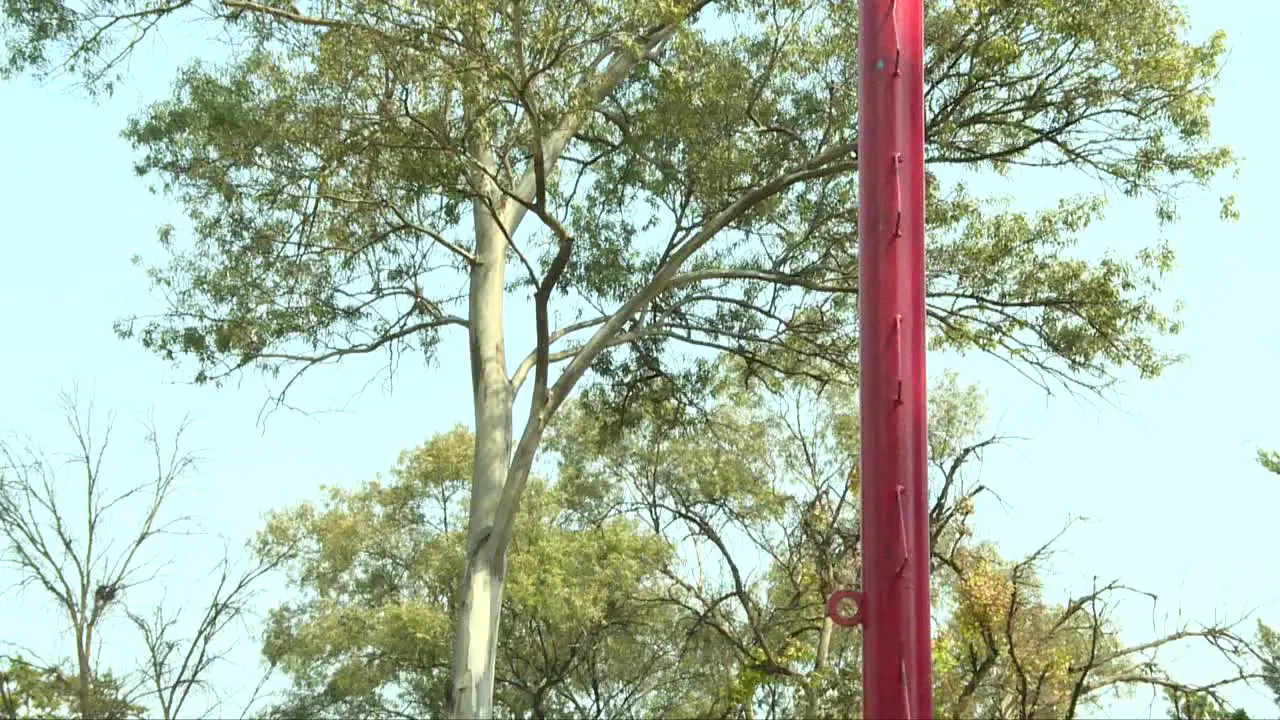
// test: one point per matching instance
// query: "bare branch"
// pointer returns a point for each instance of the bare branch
(79, 571)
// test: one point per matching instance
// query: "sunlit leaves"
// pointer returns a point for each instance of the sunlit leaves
(678, 568)
(325, 171)
(956, 416)
(1200, 706)
(1269, 642)
(51, 693)
(1269, 460)
(1099, 79)
(1005, 651)
(765, 577)
(369, 629)
(1009, 283)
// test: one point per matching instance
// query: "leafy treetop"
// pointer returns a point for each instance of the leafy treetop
(689, 166)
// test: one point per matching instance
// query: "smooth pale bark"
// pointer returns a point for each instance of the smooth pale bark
(476, 642)
(480, 602)
(819, 664)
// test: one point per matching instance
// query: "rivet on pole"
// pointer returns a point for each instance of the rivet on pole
(906, 687)
(902, 530)
(897, 193)
(897, 330)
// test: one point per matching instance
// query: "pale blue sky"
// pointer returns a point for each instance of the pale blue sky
(1177, 505)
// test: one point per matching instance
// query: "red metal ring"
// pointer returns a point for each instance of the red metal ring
(838, 617)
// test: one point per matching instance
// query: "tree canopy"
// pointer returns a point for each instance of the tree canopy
(680, 569)
(376, 568)
(708, 191)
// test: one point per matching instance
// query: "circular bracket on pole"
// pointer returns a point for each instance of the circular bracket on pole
(837, 615)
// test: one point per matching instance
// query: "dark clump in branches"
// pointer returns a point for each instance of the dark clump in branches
(85, 543)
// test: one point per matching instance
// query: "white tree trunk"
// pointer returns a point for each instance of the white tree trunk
(480, 595)
(476, 643)
(84, 647)
(812, 689)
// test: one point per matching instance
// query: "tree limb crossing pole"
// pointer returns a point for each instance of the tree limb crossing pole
(897, 658)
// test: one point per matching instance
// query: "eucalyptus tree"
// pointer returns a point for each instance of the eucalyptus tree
(627, 179)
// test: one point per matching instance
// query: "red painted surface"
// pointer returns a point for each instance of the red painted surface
(897, 662)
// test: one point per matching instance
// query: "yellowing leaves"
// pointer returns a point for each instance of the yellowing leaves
(985, 592)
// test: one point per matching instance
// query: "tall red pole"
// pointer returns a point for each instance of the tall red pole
(897, 661)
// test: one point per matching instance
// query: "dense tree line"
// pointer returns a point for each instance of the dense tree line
(674, 562)
(677, 565)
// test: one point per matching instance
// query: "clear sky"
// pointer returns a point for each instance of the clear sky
(1177, 506)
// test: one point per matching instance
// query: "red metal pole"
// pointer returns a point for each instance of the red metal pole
(897, 658)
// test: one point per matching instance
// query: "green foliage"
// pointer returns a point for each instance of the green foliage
(1002, 650)
(375, 569)
(340, 172)
(677, 566)
(328, 166)
(1002, 631)
(1269, 646)
(39, 693)
(1269, 460)
(1200, 706)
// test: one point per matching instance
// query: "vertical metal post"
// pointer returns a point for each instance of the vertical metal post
(897, 661)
